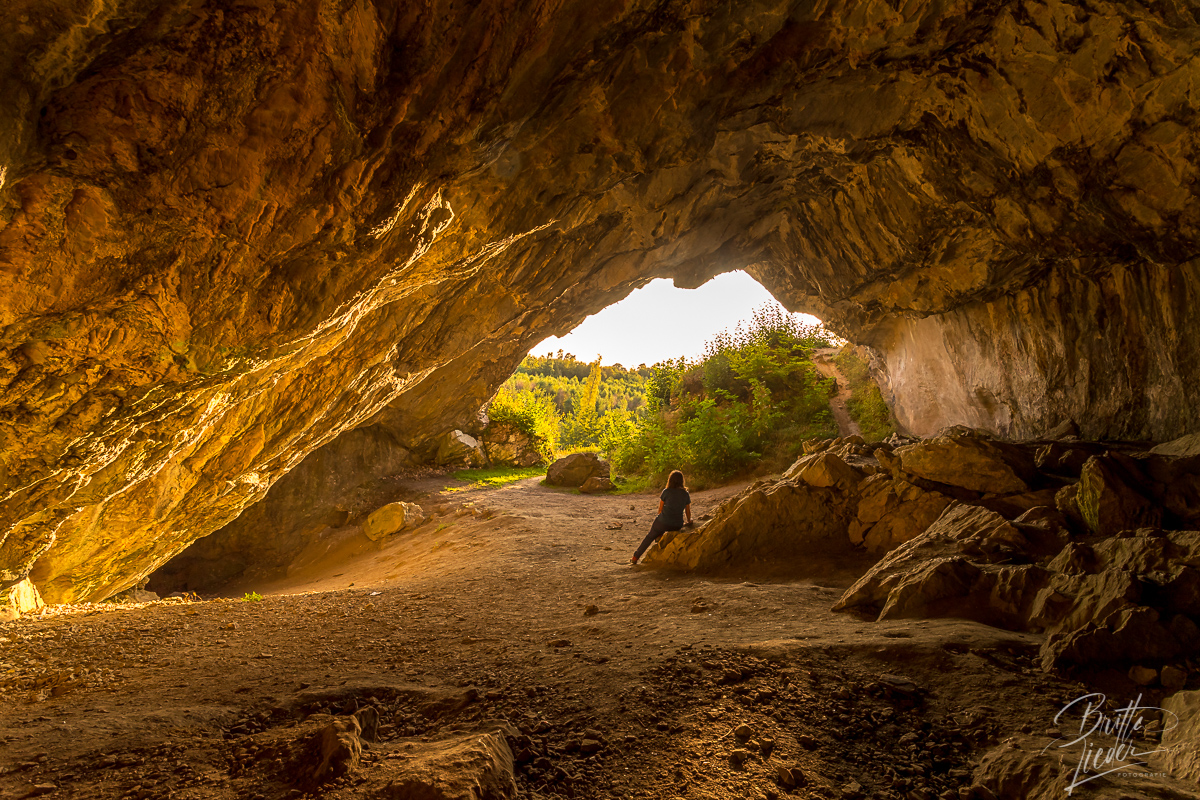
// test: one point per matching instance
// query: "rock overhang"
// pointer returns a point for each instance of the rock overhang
(233, 233)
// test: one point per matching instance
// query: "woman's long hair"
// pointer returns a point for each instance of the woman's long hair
(675, 480)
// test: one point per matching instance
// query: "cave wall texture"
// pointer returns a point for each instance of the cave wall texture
(231, 231)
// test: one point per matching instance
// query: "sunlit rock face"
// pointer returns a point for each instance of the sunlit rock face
(233, 231)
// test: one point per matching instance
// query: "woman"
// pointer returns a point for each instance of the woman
(673, 505)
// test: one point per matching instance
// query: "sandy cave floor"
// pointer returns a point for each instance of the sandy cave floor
(480, 618)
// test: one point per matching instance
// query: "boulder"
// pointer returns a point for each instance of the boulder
(473, 766)
(19, 599)
(777, 521)
(330, 753)
(1180, 757)
(824, 470)
(597, 484)
(509, 446)
(937, 574)
(1183, 446)
(1130, 634)
(575, 469)
(458, 448)
(1110, 499)
(968, 459)
(392, 518)
(891, 512)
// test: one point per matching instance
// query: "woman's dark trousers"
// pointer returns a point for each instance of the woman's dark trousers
(657, 529)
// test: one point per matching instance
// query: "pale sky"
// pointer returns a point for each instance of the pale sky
(658, 321)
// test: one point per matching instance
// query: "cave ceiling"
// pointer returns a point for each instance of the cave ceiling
(231, 231)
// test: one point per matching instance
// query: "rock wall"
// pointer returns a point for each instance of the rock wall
(230, 233)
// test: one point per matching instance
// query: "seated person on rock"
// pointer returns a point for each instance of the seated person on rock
(673, 504)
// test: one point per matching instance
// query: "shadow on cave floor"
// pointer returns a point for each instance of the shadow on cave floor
(517, 613)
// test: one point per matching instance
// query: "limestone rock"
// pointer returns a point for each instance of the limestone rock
(781, 521)
(330, 753)
(969, 460)
(1110, 500)
(458, 448)
(596, 484)
(892, 512)
(477, 766)
(937, 574)
(576, 469)
(1180, 757)
(1130, 634)
(1183, 446)
(506, 445)
(824, 470)
(19, 599)
(392, 518)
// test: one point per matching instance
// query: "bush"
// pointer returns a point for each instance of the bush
(534, 415)
(866, 404)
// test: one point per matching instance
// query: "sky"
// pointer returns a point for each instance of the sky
(658, 321)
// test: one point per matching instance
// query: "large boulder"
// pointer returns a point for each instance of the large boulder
(891, 512)
(783, 521)
(457, 449)
(1180, 755)
(1130, 634)
(575, 470)
(19, 599)
(507, 445)
(970, 460)
(597, 484)
(1110, 496)
(392, 518)
(824, 470)
(955, 568)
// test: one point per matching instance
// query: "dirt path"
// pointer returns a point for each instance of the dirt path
(823, 361)
(513, 609)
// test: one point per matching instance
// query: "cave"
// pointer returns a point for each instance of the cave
(252, 243)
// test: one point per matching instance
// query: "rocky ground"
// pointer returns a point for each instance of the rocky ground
(505, 648)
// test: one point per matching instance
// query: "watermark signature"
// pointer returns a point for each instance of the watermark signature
(1109, 742)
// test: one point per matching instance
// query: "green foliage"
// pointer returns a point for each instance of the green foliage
(493, 477)
(866, 404)
(251, 597)
(582, 428)
(533, 415)
(751, 400)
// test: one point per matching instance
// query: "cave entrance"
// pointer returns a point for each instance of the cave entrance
(661, 322)
(728, 383)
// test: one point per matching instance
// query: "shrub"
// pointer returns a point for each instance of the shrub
(866, 404)
(534, 415)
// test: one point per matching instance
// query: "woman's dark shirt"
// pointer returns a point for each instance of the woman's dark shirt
(674, 502)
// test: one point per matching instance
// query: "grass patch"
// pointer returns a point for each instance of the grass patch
(493, 477)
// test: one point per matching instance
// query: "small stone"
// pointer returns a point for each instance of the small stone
(852, 789)
(589, 746)
(591, 611)
(767, 746)
(368, 720)
(559, 643)
(784, 776)
(699, 608)
(809, 743)
(798, 777)
(743, 731)
(42, 788)
(740, 756)
(1143, 676)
